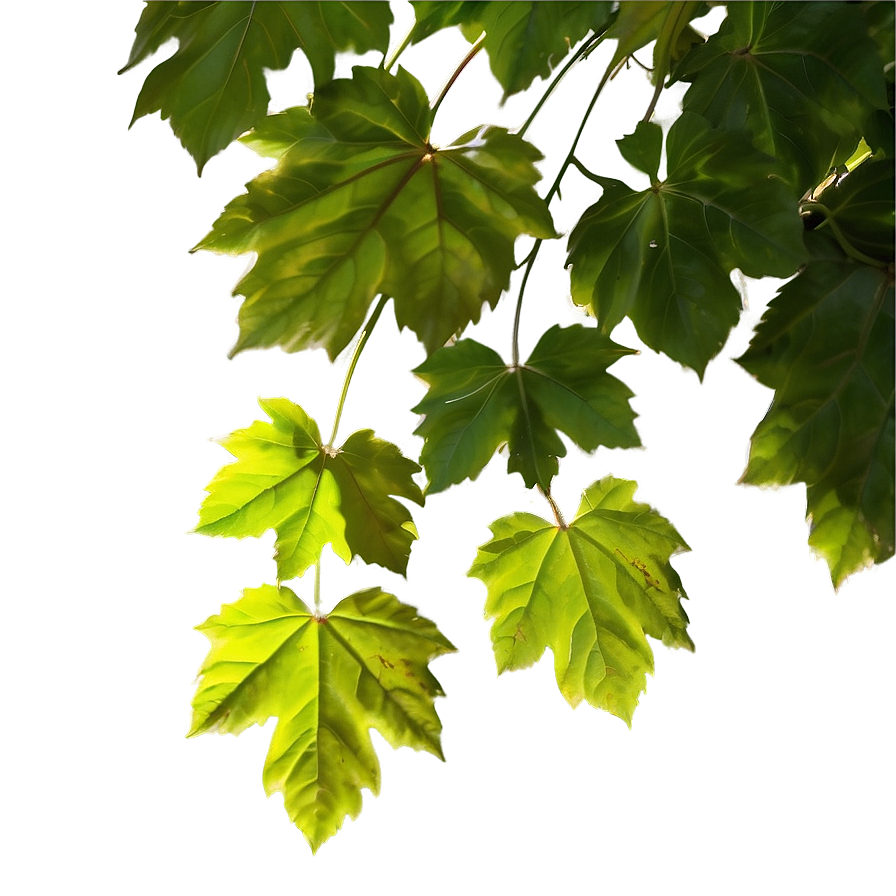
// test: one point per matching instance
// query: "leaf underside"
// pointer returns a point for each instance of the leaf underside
(590, 592)
(360, 204)
(663, 256)
(477, 403)
(286, 479)
(826, 347)
(327, 680)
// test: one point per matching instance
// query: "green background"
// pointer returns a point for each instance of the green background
(762, 763)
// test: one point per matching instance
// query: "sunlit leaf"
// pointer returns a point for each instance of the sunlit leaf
(312, 494)
(361, 204)
(327, 680)
(801, 78)
(213, 88)
(476, 403)
(663, 256)
(826, 346)
(591, 592)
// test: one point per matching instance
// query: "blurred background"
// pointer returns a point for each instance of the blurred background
(762, 763)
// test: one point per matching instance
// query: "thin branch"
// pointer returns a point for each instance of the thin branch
(515, 348)
(477, 46)
(405, 43)
(359, 347)
(606, 76)
(580, 54)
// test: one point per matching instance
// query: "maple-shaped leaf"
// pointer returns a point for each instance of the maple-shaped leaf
(663, 256)
(327, 680)
(476, 403)
(826, 346)
(524, 40)
(591, 590)
(313, 494)
(361, 204)
(800, 78)
(213, 88)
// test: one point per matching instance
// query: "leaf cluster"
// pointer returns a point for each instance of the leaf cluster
(779, 165)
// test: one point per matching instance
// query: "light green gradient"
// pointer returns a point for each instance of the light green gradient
(762, 763)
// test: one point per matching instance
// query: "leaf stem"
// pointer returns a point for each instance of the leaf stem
(317, 588)
(607, 75)
(359, 347)
(558, 516)
(477, 46)
(845, 244)
(405, 43)
(515, 349)
(581, 53)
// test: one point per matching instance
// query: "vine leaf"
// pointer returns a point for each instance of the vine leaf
(826, 347)
(360, 203)
(476, 403)
(327, 680)
(213, 88)
(663, 256)
(591, 592)
(284, 478)
(860, 206)
(524, 40)
(802, 78)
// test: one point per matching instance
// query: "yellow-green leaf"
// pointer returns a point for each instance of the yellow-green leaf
(591, 591)
(327, 680)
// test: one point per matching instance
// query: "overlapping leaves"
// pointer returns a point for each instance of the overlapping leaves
(524, 40)
(213, 87)
(663, 256)
(476, 403)
(327, 680)
(312, 494)
(591, 591)
(801, 78)
(859, 208)
(360, 204)
(826, 346)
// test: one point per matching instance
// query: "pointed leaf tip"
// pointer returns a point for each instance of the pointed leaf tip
(611, 565)
(327, 685)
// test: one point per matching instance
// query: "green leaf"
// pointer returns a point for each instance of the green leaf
(360, 204)
(801, 78)
(476, 403)
(860, 206)
(213, 87)
(826, 346)
(524, 40)
(327, 680)
(591, 591)
(286, 479)
(662, 257)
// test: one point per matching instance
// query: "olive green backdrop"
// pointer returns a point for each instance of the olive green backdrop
(762, 763)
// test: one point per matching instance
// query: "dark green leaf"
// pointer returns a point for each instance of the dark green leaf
(285, 479)
(361, 204)
(663, 256)
(524, 40)
(476, 403)
(327, 680)
(643, 149)
(826, 346)
(802, 78)
(213, 88)
(860, 206)
(590, 591)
